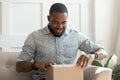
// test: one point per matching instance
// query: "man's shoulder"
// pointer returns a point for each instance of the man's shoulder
(39, 31)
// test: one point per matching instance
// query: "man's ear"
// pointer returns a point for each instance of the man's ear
(48, 17)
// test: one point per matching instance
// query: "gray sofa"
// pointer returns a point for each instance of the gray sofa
(8, 71)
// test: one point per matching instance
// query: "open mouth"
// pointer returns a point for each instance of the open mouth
(58, 30)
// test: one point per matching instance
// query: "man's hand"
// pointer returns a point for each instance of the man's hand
(83, 61)
(23, 66)
(43, 65)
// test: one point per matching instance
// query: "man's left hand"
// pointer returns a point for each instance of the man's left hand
(83, 61)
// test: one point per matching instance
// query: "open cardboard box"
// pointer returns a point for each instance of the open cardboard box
(64, 72)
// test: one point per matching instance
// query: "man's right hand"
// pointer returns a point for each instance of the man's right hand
(23, 66)
(42, 65)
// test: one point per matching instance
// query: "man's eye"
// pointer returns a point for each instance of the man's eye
(64, 23)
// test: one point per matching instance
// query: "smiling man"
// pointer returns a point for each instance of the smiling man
(56, 44)
(57, 20)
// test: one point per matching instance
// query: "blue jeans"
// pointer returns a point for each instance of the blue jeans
(42, 79)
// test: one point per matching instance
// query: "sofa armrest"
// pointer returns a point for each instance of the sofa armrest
(8, 68)
(97, 73)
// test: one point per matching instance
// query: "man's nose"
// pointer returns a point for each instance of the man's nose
(60, 25)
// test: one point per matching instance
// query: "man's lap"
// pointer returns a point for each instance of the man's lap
(42, 79)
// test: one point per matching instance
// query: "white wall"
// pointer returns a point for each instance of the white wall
(0, 18)
(0, 24)
(21, 17)
(106, 24)
(118, 35)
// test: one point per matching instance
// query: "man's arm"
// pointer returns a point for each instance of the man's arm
(98, 55)
(23, 66)
(101, 54)
(83, 60)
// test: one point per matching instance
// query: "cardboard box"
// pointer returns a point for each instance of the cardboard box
(64, 72)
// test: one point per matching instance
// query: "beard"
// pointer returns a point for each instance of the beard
(55, 33)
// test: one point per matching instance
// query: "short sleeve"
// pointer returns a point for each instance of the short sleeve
(28, 50)
(88, 46)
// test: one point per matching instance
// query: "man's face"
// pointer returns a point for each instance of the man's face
(58, 22)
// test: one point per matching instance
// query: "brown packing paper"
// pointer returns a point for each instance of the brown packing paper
(64, 72)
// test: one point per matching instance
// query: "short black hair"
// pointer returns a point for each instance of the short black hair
(58, 7)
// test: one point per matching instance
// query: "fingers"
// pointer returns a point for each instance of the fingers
(44, 65)
(51, 63)
(82, 61)
(79, 61)
(85, 62)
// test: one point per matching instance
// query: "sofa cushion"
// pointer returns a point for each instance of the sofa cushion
(8, 68)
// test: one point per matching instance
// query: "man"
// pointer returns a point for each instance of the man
(56, 44)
